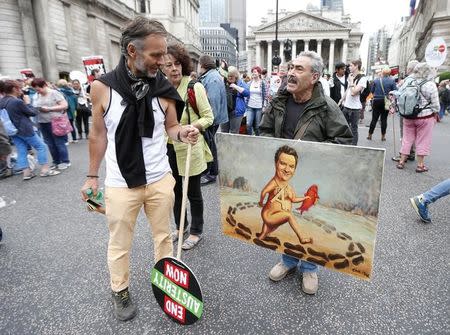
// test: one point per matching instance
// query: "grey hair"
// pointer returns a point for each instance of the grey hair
(137, 30)
(423, 71)
(316, 60)
(411, 65)
(233, 71)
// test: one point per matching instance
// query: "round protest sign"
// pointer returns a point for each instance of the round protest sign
(436, 52)
(177, 291)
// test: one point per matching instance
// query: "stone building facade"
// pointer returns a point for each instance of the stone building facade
(432, 19)
(334, 41)
(51, 36)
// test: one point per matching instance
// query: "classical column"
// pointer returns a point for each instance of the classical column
(345, 51)
(282, 52)
(258, 53)
(45, 38)
(319, 47)
(331, 59)
(306, 45)
(269, 57)
(294, 49)
(93, 43)
(249, 60)
(29, 36)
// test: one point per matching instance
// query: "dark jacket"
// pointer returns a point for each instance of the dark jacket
(325, 120)
(19, 113)
(377, 90)
(335, 91)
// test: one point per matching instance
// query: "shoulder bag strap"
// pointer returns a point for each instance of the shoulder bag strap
(302, 130)
(382, 87)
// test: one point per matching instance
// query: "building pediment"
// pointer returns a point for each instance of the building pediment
(302, 21)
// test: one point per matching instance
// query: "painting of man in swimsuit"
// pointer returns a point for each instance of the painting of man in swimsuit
(320, 204)
(277, 209)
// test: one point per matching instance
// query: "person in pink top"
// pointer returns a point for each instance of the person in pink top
(419, 130)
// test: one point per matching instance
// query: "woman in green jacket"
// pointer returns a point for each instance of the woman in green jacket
(177, 68)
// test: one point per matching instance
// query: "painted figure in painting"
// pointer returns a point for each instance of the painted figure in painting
(277, 209)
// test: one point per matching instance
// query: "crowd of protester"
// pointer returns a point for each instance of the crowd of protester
(188, 108)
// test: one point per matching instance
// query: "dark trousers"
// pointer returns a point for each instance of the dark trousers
(352, 117)
(83, 119)
(213, 167)
(56, 144)
(194, 195)
(377, 111)
(74, 132)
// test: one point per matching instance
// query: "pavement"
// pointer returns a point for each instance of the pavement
(54, 278)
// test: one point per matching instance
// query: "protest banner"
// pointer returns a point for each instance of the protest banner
(177, 291)
(93, 62)
(174, 285)
(318, 202)
(27, 73)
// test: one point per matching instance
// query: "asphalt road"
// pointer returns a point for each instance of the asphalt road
(54, 278)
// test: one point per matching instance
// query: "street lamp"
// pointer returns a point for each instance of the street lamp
(276, 60)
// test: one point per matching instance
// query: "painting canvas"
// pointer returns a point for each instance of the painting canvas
(318, 202)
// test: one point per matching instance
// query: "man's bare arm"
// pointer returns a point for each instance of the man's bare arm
(97, 134)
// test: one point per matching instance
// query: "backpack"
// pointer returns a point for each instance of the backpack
(366, 90)
(408, 100)
(10, 128)
(192, 101)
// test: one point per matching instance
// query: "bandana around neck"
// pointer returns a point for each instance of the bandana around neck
(137, 120)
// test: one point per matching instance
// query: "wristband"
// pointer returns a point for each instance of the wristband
(91, 176)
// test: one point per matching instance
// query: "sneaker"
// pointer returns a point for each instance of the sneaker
(63, 166)
(310, 282)
(421, 208)
(53, 166)
(279, 271)
(123, 306)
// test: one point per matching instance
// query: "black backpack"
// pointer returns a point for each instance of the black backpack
(365, 92)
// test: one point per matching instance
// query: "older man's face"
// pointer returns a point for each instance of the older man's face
(301, 77)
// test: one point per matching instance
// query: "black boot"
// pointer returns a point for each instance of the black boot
(123, 306)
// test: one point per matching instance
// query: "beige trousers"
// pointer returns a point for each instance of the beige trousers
(122, 208)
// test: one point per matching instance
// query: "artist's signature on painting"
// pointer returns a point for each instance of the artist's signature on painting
(361, 272)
